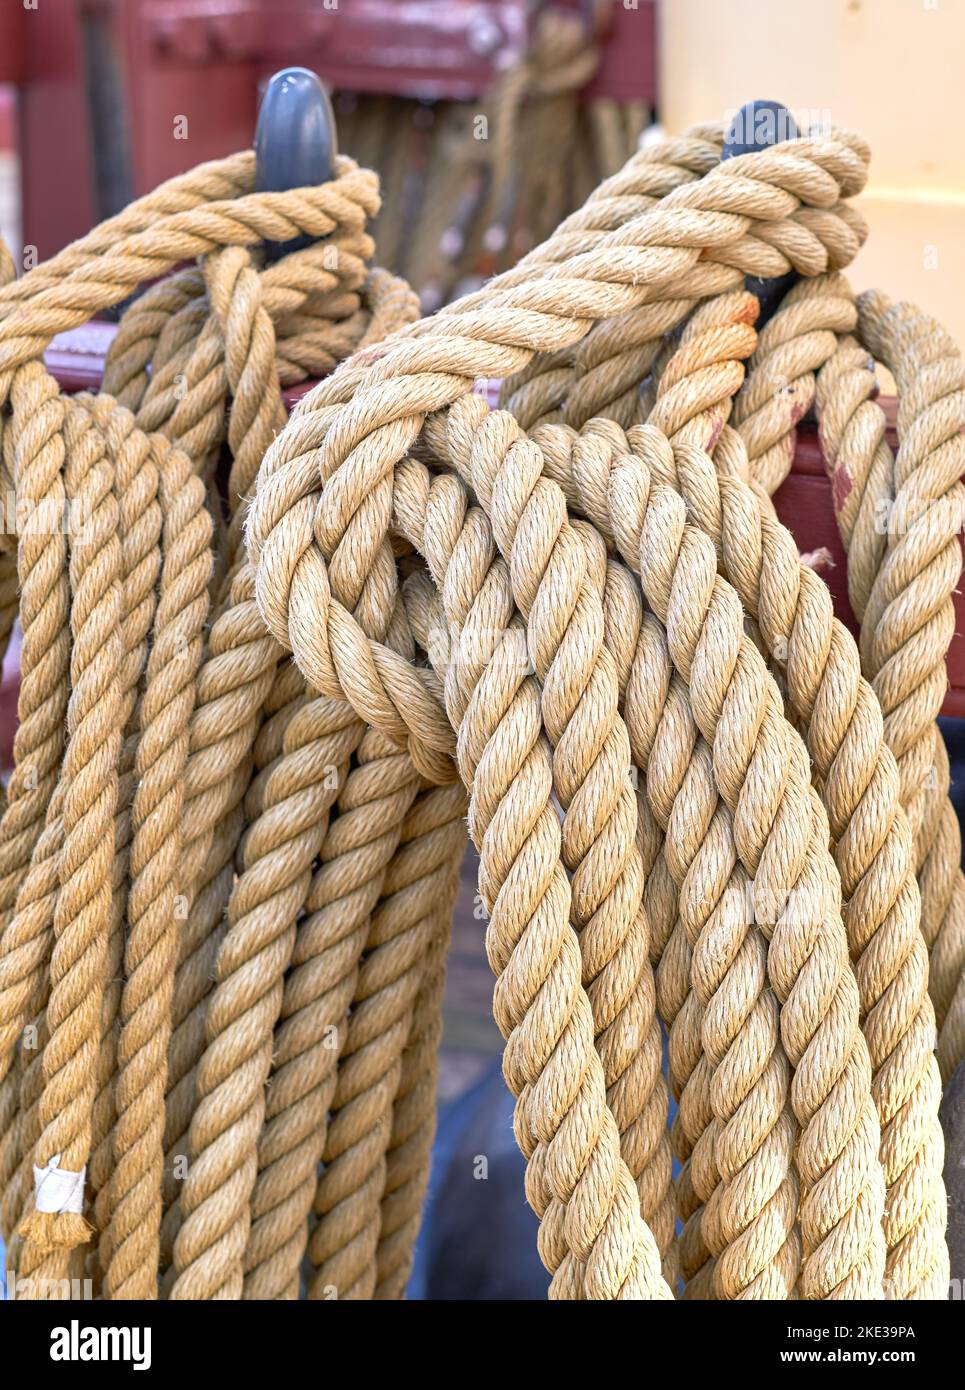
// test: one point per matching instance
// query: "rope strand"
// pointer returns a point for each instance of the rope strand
(227, 877)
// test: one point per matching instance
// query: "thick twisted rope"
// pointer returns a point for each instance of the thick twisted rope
(627, 510)
(155, 862)
(863, 803)
(160, 749)
(82, 911)
(901, 521)
(650, 840)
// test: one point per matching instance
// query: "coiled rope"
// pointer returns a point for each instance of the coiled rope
(118, 852)
(699, 804)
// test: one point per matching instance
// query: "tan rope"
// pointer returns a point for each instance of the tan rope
(779, 390)
(83, 906)
(312, 652)
(310, 1032)
(348, 1202)
(863, 807)
(908, 559)
(440, 815)
(573, 627)
(155, 860)
(796, 345)
(136, 484)
(158, 787)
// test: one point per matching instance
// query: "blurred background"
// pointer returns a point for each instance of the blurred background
(488, 121)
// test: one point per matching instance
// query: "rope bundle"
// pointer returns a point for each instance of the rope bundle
(184, 729)
(700, 806)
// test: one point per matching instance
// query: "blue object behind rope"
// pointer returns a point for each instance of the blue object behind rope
(759, 125)
(295, 144)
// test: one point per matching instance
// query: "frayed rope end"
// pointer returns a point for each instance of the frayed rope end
(54, 1230)
(56, 1223)
(820, 559)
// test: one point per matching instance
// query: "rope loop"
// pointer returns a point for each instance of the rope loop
(273, 663)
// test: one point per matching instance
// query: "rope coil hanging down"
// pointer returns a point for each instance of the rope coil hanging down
(699, 804)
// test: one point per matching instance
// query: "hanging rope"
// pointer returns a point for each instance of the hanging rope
(699, 804)
(134, 642)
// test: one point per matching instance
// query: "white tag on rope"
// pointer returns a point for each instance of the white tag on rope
(57, 1189)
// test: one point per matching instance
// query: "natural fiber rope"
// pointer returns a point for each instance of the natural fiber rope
(794, 345)
(581, 599)
(130, 1265)
(863, 808)
(920, 504)
(384, 375)
(778, 393)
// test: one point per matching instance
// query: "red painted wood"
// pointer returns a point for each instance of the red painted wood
(56, 173)
(628, 69)
(12, 58)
